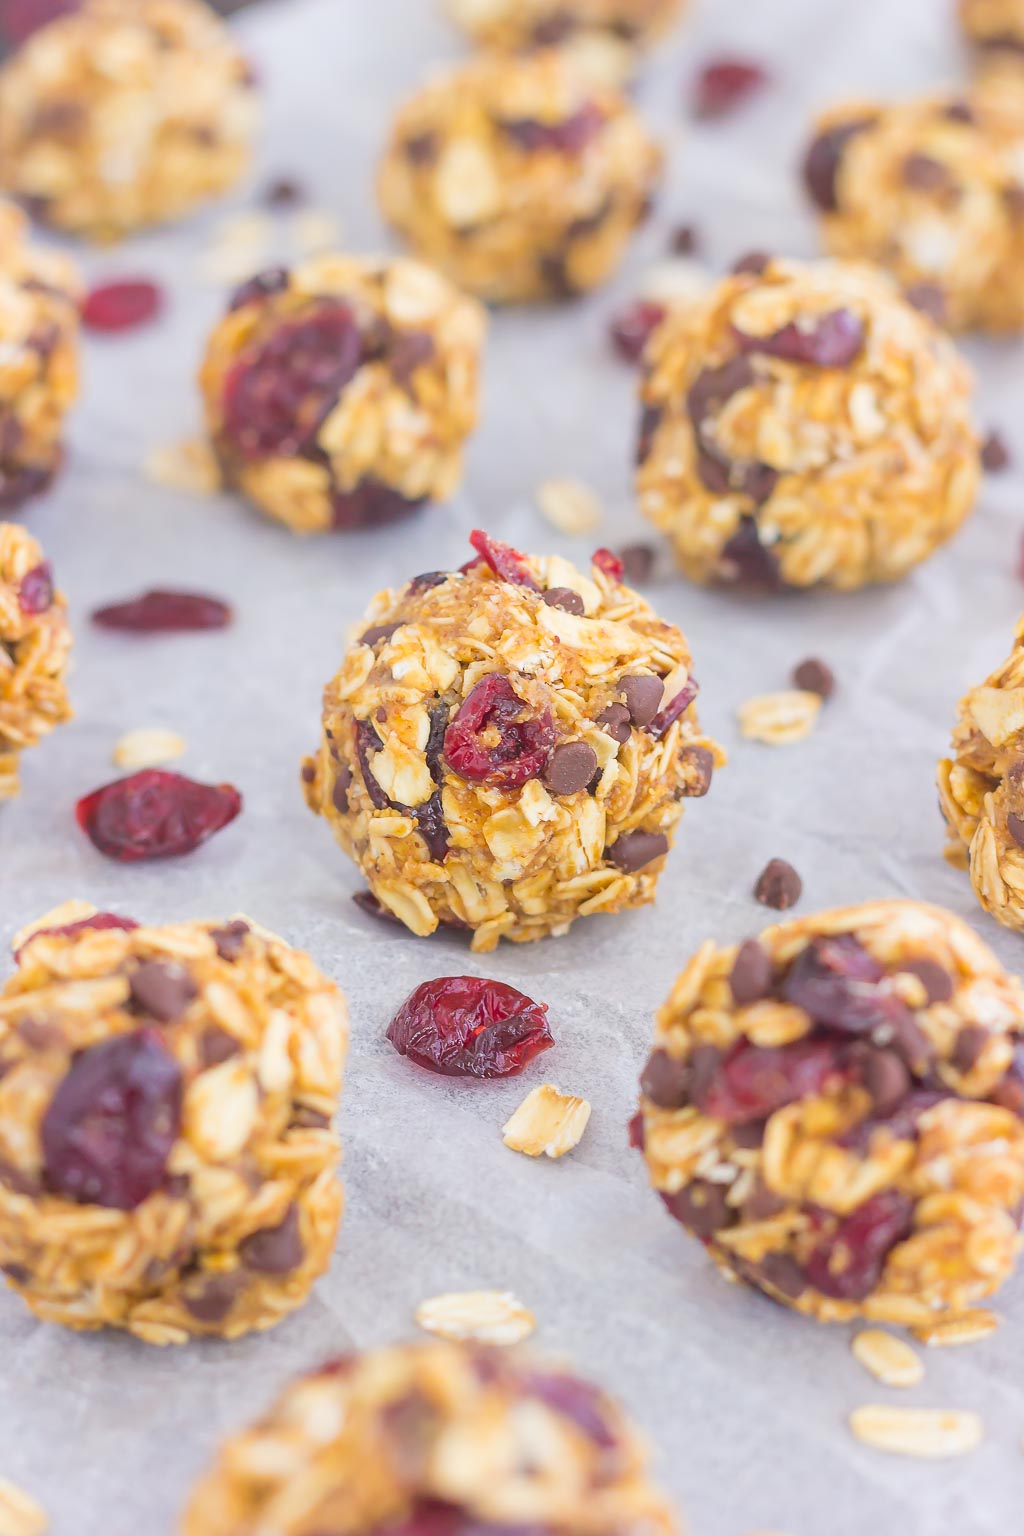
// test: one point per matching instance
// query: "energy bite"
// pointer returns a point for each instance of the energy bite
(124, 114)
(506, 747)
(339, 394)
(519, 177)
(602, 37)
(835, 1110)
(440, 1438)
(933, 190)
(995, 27)
(35, 644)
(802, 425)
(167, 1160)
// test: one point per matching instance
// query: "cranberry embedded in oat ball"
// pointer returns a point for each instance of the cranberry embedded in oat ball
(35, 642)
(167, 1162)
(825, 1113)
(508, 746)
(603, 38)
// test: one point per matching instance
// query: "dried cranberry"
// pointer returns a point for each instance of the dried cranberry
(35, 594)
(370, 504)
(569, 137)
(836, 981)
(632, 328)
(725, 84)
(155, 814)
(161, 611)
(831, 341)
(280, 390)
(490, 742)
(98, 920)
(468, 1026)
(824, 158)
(577, 1400)
(754, 1081)
(122, 305)
(110, 1126)
(848, 1264)
(20, 18)
(609, 564)
(503, 560)
(667, 717)
(262, 286)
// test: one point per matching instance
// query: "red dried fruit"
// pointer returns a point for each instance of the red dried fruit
(490, 742)
(35, 594)
(608, 563)
(155, 814)
(665, 718)
(370, 504)
(69, 930)
(569, 137)
(754, 1081)
(848, 1264)
(122, 305)
(110, 1126)
(632, 328)
(20, 18)
(836, 981)
(161, 611)
(725, 84)
(281, 389)
(273, 280)
(468, 1026)
(831, 341)
(579, 1401)
(503, 560)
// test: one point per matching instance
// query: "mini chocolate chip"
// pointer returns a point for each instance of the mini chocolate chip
(342, 785)
(215, 1046)
(698, 768)
(421, 148)
(275, 1250)
(930, 299)
(1009, 1094)
(762, 1204)
(642, 695)
(564, 598)
(815, 676)
(215, 1297)
(408, 351)
(751, 975)
(163, 990)
(782, 1273)
(748, 1137)
(968, 1046)
(426, 580)
(754, 262)
(958, 112)
(304, 1118)
(570, 768)
(230, 941)
(367, 902)
(701, 1207)
(637, 562)
(1015, 827)
(908, 1038)
(665, 1080)
(995, 456)
(16, 1273)
(778, 886)
(377, 632)
(886, 1079)
(635, 850)
(615, 720)
(705, 1060)
(284, 192)
(936, 980)
(683, 241)
(308, 773)
(925, 174)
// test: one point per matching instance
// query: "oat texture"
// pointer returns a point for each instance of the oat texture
(382, 1440)
(371, 370)
(603, 38)
(125, 114)
(485, 1317)
(234, 1043)
(996, 27)
(835, 1110)
(521, 178)
(509, 755)
(802, 425)
(35, 641)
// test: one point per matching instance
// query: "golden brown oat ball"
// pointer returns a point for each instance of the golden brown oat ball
(996, 28)
(167, 1160)
(518, 177)
(804, 426)
(434, 1439)
(35, 642)
(933, 190)
(124, 114)
(835, 1110)
(602, 37)
(506, 747)
(339, 394)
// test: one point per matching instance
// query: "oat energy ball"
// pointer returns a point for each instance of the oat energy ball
(803, 426)
(602, 37)
(506, 747)
(167, 1162)
(520, 178)
(932, 189)
(339, 394)
(35, 642)
(124, 114)
(994, 26)
(434, 1439)
(835, 1110)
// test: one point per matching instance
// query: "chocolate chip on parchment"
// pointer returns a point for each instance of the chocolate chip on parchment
(815, 676)
(637, 562)
(995, 456)
(751, 975)
(275, 1250)
(570, 768)
(615, 720)
(936, 980)
(635, 850)
(642, 695)
(564, 598)
(684, 240)
(778, 886)
(698, 767)
(161, 989)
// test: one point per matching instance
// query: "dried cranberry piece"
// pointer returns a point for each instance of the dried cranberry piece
(569, 137)
(831, 341)
(35, 594)
(109, 1128)
(274, 280)
(608, 563)
(503, 560)
(281, 389)
(99, 920)
(162, 610)
(754, 1081)
(824, 158)
(155, 814)
(900, 1121)
(725, 84)
(836, 981)
(490, 742)
(122, 305)
(665, 718)
(20, 18)
(579, 1401)
(631, 328)
(848, 1264)
(371, 504)
(469, 1026)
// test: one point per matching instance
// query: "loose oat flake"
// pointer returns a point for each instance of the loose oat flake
(968, 1328)
(932, 1434)
(547, 1122)
(20, 1514)
(487, 1317)
(188, 466)
(148, 747)
(569, 505)
(779, 719)
(889, 1359)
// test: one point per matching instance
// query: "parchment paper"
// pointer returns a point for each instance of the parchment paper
(745, 1403)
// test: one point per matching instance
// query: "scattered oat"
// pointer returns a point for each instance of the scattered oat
(780, 718)
(488, 1317)
(930, 1433)
(20, 1514)
(58, 917)
(188, 466)
(678, 281)
(569, 505)
(547, 1122)
(148, 747)
(968, 1328)
(315, 230)
(889, 1359)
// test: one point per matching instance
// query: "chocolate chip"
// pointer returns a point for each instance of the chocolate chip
(995, 456)
(698, 767)
(815, 676)
(886, 1079)
(642, 695)
(754, 262)
(284, 192)
(683, 240)
(421, 148)
(377, 632)
(924, 174)
(968, 1046)
(637, 562)
(936, 980)
(748, 563)
(564, 598)
(1015, 827)
(308, 773)
(230, 941)
(275, 1250)
(304, 1118)
(665, 1080)
(215, 1046)
(824, 160)
(426, 580)
(907, 1037)
(342, 785)
(214, 1298)
(778, 886)
(751, 975)
(748, 1137)
(570, 768)
(409, 350)
(762, 1204)
(930, 299)
(635, 850)
(705, 1061)
(782, 1273)
(163, 990)
(701, 1207)
(958, 112)
(615, 720)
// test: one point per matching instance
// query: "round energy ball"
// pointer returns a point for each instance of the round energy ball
(601, 37)
(124, 114)
(339, 394)
(519, 177)
(35, 643)
(507, 747)
(442, 1437)
(801, 425)
(167, 1160)
(933, 190)
(996, 27)
(981, 789)
(835, 1110)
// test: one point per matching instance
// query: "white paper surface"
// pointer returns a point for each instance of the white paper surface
(745, 1403)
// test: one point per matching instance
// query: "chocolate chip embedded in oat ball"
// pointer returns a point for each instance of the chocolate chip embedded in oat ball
(665, 1080)
(995, 456)
(564, 598)
(970, 1042)
(701, 1207)
(275, 1250)
(342, 785)
(161, 989)
(642, 696)
(230, 940)
(886, 1078)
(615, 720)
(635, 850)
(936, 980)
(216, 1045)
(924, 174)
(754, 262)
(377, 632)
(698, 768)
(778, 885)
(570, 768)
(215, 1297)
(1015, 827)
(930, 299)
(815, 676)
(751, 975)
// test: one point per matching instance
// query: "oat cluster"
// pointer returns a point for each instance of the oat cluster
(996, 27)
(601, 37)
(166, 1096)
(123, 114)
(519, 177)
(836, 1109)
(35, 642)
(802, 425)
(438, 1435)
